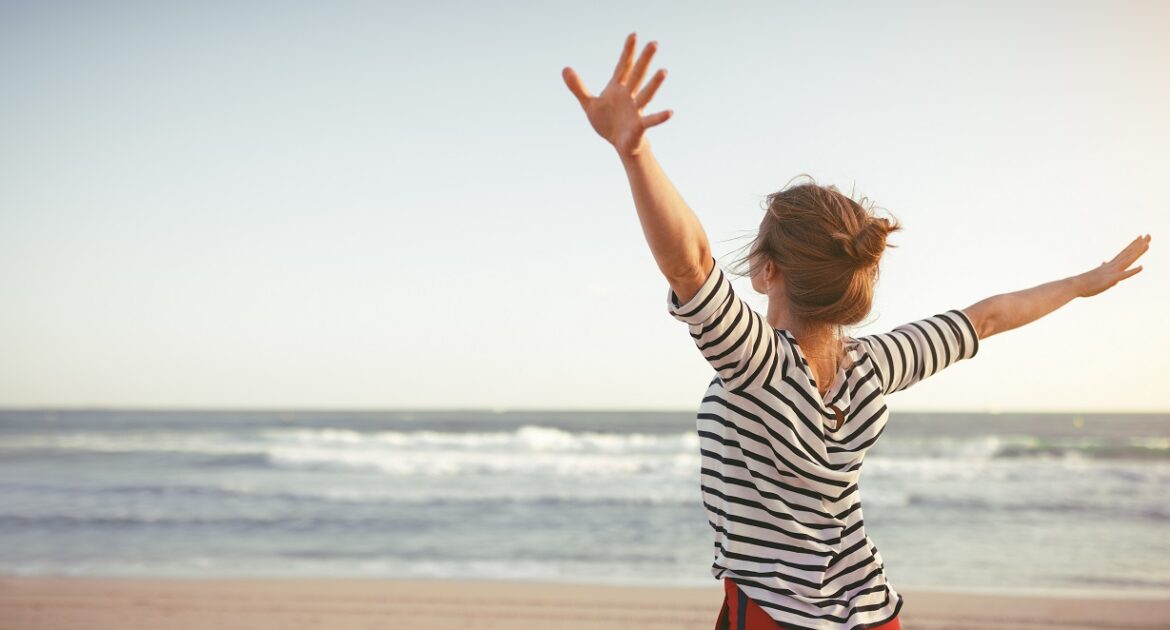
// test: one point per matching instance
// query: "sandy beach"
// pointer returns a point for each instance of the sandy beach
(50, 603)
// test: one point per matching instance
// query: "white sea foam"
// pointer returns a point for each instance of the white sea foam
(529, 450)
(536, 451)
(528, 438)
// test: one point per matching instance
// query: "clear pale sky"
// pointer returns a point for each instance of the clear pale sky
(375, 205)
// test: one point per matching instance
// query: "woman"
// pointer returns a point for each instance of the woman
(795, 403)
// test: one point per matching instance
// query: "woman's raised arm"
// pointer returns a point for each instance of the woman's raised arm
(1011, 310)
(676, 238)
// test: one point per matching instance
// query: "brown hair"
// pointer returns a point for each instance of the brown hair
(827, 248)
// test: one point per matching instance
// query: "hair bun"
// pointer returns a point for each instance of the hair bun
(865, 247)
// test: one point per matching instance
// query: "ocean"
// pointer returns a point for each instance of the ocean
(1007, 502)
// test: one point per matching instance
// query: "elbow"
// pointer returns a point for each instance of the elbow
(983, 318)
(696, 264)
(986, 328)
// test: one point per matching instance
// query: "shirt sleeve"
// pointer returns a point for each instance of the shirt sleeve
(915, 350)
(735, 339)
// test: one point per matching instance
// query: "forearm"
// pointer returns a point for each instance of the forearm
(1006, 311)
(672, 230)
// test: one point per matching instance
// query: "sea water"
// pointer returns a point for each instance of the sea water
(958, 501)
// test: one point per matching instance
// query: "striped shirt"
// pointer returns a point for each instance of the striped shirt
(779, 483)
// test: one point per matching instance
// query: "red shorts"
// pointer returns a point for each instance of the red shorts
(741, 613)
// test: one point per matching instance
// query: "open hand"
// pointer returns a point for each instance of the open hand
(616, 113)
(1113, 271)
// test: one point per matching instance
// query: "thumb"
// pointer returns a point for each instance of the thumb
(657, 119)
(576, 86)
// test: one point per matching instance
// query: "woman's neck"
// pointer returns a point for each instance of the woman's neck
(819, 340)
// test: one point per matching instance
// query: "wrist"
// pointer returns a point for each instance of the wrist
(638, 153)
(1077, 285)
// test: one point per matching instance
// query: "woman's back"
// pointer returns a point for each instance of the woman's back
(779, 474)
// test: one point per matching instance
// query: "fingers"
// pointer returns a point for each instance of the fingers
(622, 71)
(576, 86)
(1130, 253)
(1131, 272)
(1138, 247)
(651, 88)
(635, 78)
(657, 119)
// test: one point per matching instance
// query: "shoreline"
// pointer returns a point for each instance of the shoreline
(97, 603)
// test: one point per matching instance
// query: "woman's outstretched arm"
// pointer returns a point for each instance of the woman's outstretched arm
(1012, 310)
(673, 231)
(676, 238)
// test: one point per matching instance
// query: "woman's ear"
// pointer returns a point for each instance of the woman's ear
(770, 275)
(764, 277)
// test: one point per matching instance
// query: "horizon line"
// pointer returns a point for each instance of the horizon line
(504, 410)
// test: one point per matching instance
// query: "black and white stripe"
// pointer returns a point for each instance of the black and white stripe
(781, 488)
(914, 351)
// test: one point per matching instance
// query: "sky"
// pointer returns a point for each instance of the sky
(372, 205)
